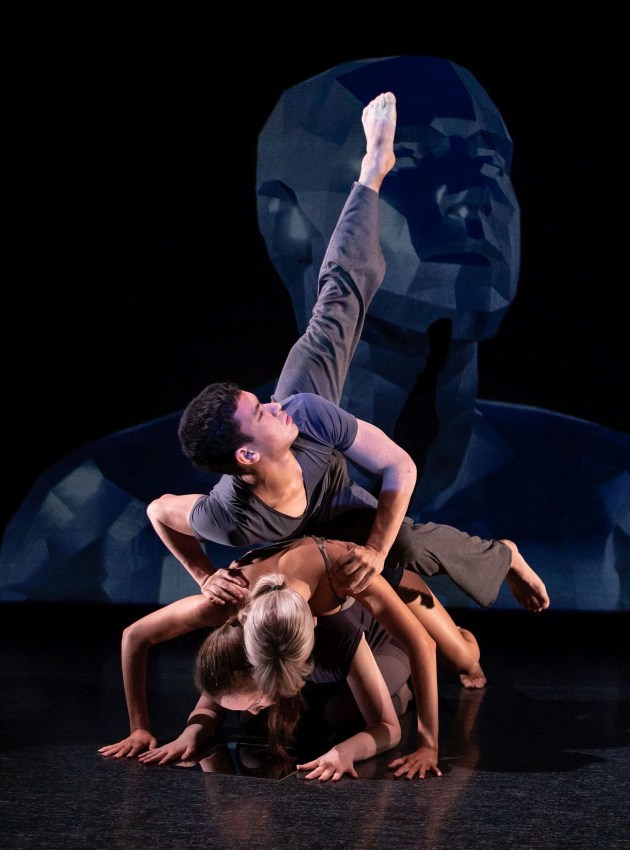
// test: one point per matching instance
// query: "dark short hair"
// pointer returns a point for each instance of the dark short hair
(208, 434)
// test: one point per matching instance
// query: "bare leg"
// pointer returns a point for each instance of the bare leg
(527, 587)
(475, 679)
(457, 647)
(379, 125)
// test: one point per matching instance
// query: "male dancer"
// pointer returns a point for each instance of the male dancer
(285, 473)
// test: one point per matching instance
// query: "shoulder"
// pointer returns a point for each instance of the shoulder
(223, 493)
(214, 516)
(320, 419)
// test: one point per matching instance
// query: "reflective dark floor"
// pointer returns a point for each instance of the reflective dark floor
(539, 759)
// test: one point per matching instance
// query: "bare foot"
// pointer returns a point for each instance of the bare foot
(527, 587)
(474, 677)
(379, 124)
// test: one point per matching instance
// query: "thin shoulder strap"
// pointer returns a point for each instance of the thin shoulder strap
(344, 601)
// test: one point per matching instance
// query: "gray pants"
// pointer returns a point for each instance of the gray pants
(350, 275)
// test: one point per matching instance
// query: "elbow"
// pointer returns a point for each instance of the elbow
(394, 734)
(157, 510)
(130, 636)
(386, 734)
(128, 633)
(404, 470)
(154, 510)
(132, 639)
(430, 644)
(410, 470)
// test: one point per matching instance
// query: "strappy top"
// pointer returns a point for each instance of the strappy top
(344, 601)
(267, 551)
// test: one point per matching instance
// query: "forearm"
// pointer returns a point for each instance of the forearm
(375, 452)
(134, 667)
(202, 725)
(425, 687)
(390, 611)
(188, 552)
(369, 742)
(393, 502)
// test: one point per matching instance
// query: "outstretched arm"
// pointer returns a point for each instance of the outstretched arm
(169, 516)
(383, 727)
(375, 452)
(178, 618)
(392, 613)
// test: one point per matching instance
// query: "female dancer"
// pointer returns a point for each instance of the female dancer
(348, 647)
(278, 635)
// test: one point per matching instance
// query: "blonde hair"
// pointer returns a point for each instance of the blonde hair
(279, 636)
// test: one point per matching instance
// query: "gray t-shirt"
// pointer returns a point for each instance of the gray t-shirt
(232, 515)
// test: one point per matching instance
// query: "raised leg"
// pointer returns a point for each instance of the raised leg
(351, 272)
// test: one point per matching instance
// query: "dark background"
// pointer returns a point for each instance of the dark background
(135, 271)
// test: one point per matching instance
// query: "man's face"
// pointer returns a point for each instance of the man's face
(271, 430)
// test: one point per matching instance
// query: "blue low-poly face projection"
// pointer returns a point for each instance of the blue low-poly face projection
(449, 218)
(450, 233)
(557, 486)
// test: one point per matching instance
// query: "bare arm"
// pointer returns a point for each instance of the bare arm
(375, 452)
(178, 618)
(383, 727)
(169, 516)
(391, 612)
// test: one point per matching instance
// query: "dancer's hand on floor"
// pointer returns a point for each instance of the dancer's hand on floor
(332, 765)
(420, 762)
(137, 742)
(177, 750)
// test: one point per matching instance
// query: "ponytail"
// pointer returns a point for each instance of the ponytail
(279, 636)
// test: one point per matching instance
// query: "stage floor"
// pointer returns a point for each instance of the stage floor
(539, 759)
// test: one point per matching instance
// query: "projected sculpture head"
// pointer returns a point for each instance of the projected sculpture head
(450, 233)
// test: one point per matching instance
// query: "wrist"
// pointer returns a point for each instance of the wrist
(138, 724)
(427, 743)
(202, 576)
(378, 548)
